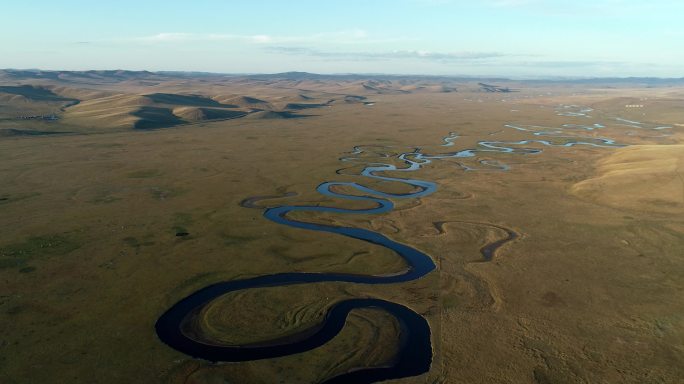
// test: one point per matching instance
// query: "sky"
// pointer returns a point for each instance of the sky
(511, 38)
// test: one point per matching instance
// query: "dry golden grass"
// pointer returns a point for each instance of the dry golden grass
(642, 177)
(590, 292)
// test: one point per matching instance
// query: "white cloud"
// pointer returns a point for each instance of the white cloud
(261, 38)
(353, 36)
(386, 55)
(175, 37)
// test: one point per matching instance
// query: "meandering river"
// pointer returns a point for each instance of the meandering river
(415, 354)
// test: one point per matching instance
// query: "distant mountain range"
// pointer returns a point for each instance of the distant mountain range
(37, 102)
(123, 75)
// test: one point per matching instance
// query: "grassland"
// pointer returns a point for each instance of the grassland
(90, 252)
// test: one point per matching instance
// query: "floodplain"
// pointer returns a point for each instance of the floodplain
(547, 216)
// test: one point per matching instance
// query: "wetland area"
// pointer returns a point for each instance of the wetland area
(298, 228)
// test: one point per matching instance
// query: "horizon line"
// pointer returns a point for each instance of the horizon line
(340, 74)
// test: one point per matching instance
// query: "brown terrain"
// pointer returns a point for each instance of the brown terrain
(122, 192)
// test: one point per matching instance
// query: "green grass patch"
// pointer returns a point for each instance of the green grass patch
(161, 194)
(183, 218)
(179, 229)
(18, 254)
(144, 174)
(137, 243)
(6, 199)
(105, 199)
(181, 222)
(193, 283)
(449, 302)
(231, 240)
